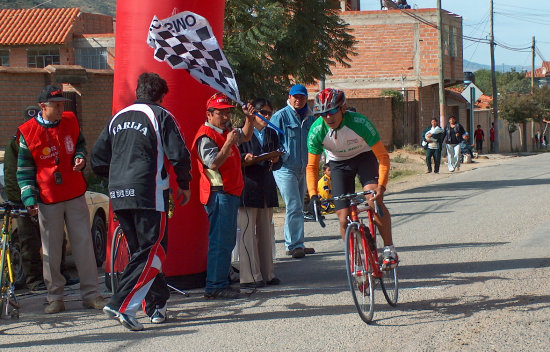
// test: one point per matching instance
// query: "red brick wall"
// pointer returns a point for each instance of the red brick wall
(19, 88)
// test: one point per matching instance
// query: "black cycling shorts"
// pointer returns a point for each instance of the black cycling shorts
(364, 165)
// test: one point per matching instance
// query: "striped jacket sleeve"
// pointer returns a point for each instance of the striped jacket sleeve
(26, 174)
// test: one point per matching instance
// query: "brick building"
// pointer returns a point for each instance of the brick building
(62, 46)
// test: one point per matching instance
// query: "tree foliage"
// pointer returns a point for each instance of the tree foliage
(273, 44)
(507, 82)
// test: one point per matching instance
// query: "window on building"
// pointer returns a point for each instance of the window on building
(450, 41)
(4, 57)
(42, 57)
(95, 58)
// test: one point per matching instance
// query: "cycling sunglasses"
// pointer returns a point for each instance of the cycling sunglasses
(266, 112)
(330, 112)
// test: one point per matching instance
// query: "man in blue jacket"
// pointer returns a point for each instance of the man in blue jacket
(295, 119)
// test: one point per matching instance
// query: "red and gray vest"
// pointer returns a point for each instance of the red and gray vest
(230, 170)
(53, 150)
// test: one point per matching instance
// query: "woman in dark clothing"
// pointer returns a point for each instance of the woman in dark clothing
(257, 201)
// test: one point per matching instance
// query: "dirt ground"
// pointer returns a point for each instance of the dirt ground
(414, 166)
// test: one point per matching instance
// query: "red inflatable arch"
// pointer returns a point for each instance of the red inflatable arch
(188, 229)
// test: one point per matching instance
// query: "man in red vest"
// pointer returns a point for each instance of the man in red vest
(49, 172)
(221, 184)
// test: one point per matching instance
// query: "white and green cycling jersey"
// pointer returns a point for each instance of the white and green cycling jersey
(355, 135)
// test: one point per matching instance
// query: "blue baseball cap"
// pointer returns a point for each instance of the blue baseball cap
(298, 89)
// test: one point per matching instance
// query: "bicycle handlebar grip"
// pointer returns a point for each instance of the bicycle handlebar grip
(318, 216)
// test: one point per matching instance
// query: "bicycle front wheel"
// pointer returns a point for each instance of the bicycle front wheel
(389, 281)
(359, 273)
(120, 257)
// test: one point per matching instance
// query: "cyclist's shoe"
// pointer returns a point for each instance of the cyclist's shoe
(159, 315)
(129, 322)
(390, 258)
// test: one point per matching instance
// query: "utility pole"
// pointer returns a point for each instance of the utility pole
(440, 57)
(533, 66)
(494, 78)
(534, 145)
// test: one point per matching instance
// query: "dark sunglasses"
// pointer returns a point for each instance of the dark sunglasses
(266, 112)
(330, 112)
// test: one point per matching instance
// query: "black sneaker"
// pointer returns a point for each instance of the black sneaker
(253, 284)
(274, 281)
(223, 293)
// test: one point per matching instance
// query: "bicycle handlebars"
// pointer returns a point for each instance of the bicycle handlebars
(14, 209)
(351, 196)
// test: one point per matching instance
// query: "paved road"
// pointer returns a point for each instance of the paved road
(475, 276)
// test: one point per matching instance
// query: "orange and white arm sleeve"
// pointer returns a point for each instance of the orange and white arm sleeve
(383, 163)
(312, 173)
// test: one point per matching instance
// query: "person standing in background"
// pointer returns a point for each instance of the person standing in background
(257, 201)
(453, 137)
(51, 158)
(295, 119)
(479, 136)
(433, 137)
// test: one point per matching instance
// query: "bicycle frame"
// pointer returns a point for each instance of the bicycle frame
(369, 239)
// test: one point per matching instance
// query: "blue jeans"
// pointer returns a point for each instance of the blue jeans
(222, 210)
(292, 186)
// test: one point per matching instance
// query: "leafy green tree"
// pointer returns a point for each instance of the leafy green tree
(517, 109)
(272, 44)
(483, 81)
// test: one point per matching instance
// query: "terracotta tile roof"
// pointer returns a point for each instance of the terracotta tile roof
(542, 71)
(36, 26)
(484, 102)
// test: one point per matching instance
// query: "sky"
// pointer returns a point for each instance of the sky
(515, 23)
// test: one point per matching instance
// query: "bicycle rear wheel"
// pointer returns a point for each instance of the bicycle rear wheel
(120, 257)
(8, 302)
(359, 273)
(389, 282)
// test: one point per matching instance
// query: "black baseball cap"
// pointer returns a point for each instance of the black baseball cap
(51, 93)
(31, 111)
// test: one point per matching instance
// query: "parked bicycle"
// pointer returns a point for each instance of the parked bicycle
(9, 308)
(364, 257)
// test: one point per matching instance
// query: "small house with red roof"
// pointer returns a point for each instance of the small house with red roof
(542, 74)
(56, 36)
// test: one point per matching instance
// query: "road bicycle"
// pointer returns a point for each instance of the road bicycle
(9, 308)
(363, 250)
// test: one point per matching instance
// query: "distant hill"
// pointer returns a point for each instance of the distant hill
(469, 66)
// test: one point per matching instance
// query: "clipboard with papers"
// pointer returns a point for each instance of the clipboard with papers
(262, 157)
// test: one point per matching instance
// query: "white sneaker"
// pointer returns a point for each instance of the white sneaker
(159, 315)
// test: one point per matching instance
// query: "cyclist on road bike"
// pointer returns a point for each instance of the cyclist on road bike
(353, 147)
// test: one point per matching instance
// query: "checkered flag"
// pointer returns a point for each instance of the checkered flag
(186, 41)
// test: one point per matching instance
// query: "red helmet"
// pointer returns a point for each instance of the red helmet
(328, 99)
